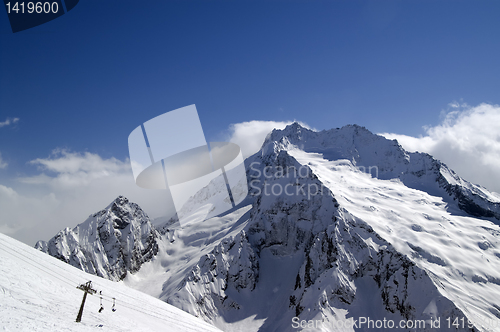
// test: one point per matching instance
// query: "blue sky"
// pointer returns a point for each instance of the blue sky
(84, 81)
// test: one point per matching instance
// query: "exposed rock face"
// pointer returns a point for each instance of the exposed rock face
(110, 243)
(232, 263)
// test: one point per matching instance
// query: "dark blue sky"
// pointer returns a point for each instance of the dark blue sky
(85, 80)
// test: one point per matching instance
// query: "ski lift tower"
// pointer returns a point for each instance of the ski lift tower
(86, 288)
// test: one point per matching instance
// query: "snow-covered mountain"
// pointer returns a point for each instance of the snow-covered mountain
(38, 293)
(386, 159)
(110, 243)
(340, 226)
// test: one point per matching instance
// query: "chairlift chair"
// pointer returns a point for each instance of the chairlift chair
(101, 308)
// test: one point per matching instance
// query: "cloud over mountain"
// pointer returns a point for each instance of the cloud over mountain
(467, 139)
(69, 186)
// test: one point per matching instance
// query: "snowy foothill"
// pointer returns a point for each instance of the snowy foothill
(39, 293)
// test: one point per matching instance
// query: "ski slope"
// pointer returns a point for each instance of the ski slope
(38, 293)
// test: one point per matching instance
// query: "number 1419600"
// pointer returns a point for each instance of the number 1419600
(32, 7)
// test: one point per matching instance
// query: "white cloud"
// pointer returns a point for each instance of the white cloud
(70, 187)
(250, 135)
(467, 140)
(19, 212)
(76, 169)
(8, 122)
(3, 164)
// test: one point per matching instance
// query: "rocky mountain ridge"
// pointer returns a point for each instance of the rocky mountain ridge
(110, 243)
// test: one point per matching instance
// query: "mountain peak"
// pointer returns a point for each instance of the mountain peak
(296, 132)
(119, 203)
(385, 159)
(290, 131)
(110, 243)
(121, 200)
(352, 142)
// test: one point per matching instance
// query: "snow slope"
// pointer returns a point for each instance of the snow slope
(38, 293)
